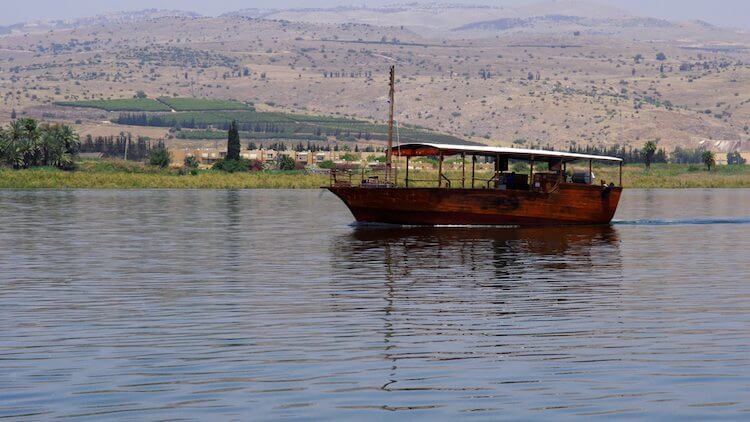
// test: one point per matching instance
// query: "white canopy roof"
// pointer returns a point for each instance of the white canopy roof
(429, 149)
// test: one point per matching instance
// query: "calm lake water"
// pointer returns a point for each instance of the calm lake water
(269, 304)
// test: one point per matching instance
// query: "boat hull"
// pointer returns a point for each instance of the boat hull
(570, 204)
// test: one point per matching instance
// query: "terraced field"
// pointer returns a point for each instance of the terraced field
(202, 104)
(125, 104)
(270, 125)
(160, 104)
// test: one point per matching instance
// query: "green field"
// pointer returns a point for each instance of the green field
(161, 104)
(281, 125)
(126, 104)
(202, 104)
(206, 114)
(221, 134)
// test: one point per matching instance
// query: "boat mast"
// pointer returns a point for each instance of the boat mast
(388, 153)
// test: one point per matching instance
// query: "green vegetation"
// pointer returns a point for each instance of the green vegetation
(649, 150)
(234, 163)
(34, 156)
(156, 179)
(233, 143)
(141, 103)
(125, 104)
(117, 174)
(26, 143)
(216, 134)
(279, 125)
(676, 176)
(160, 157)
(734, 158)
(238, 165)
(286, 163)
(327, 165)
(208, 114)
(202, 104)
(709, 160)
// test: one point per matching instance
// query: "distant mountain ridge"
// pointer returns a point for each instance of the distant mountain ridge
(510, 23)
(103, 19)
(426, 19)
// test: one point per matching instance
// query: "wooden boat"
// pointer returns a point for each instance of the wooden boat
(551, 197)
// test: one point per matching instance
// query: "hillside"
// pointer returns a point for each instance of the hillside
(542, 76)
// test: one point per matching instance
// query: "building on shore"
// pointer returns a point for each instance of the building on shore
(207, 157)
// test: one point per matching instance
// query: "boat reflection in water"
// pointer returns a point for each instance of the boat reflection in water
(485, 303)
(502, 248)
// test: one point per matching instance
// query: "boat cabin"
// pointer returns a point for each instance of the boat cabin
(503, 178)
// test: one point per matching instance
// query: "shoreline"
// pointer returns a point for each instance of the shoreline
(670, 176)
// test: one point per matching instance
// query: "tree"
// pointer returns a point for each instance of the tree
(160, 157)
(735, 158)
(286, 162)
(58, 146)
(26, 143)
(649, 149)
(638, 57)
(233, 142)
(140, 94)
(191, 163)
(13, 114)
(327, 164)
(708, 159)
(661, 57)
(29, 142)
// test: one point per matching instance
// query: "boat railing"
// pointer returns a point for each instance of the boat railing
(341, 177)
(545, 182)
(494, 178)
(367, 178)
(446, 180)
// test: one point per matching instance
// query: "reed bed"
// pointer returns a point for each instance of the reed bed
(46, 179)
(120, 175)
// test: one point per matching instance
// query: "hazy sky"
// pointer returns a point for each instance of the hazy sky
(722, 12)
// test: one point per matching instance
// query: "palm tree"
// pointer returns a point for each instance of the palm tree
(4, 145)
(25, 144)
(70, 143)
(14, 137)
(59, 145)
(30, 142)
(48, 144)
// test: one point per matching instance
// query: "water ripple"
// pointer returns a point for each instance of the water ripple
(269, 304)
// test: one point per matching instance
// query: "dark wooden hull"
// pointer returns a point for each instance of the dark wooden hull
(570, 204)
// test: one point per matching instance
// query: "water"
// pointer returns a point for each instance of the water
(269, 304)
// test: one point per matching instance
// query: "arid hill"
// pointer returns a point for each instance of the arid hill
(550, 74)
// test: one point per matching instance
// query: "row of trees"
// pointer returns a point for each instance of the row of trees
(646, 155)
(310, 146)
(122, 146)
(650, 154)
(274, 128)
(26, 143)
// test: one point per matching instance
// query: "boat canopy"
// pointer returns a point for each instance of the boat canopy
(429, 149)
